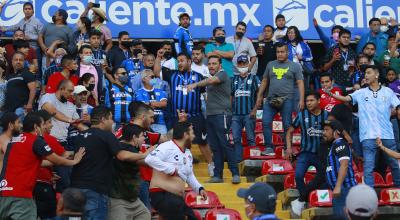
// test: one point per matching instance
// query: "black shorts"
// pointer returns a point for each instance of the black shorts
(45, 198)
(199, 128)
(171, 206)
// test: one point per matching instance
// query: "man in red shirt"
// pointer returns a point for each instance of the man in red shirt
(328, 102)
(44, 193)
(69, 66)
(22, 161)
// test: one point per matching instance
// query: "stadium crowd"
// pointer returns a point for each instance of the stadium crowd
(92, 120)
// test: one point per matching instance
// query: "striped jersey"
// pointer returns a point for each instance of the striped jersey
(181, 98)
(339, 150)
(244, 92)
(311, 129)
(118, 99)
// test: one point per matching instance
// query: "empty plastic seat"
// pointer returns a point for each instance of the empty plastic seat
(390, 196)
(290, 182)
(276, 166)
(259, 127)
(378, 179)
(277, 140)
(214, 214)
(259, 139)
(193, 200)
(252, 152)
(320, 198)
(389, 179)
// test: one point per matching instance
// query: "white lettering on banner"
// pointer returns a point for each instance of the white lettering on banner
(350, 14)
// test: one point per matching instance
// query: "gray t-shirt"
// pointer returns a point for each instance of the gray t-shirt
(219, 96)
(242, 47)
(60, 129)
(282, 78)
(52, 32)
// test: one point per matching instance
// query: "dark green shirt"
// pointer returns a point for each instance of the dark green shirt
(125, 177)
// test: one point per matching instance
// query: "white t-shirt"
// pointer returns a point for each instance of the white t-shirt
(202, 69)
(60, 129)
(168, 158)
(242, 47)
(171, 64)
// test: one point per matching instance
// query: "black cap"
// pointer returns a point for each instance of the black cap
(184, 14)
(335, 125)
(260, 194)
(44, 114)
(136, 42)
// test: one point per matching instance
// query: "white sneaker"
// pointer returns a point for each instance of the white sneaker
(297, 207)
(211, 169)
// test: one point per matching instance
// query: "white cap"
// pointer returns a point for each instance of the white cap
(362, 201)
(79, 89)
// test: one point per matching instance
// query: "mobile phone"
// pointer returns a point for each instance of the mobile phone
(96, 5)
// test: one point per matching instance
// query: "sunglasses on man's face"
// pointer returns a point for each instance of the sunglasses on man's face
(123, 73)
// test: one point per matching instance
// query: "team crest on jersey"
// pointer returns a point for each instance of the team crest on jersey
(194, 78)
(249, 81)
(20, 138)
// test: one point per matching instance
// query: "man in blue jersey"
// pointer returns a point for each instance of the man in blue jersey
(188, 101)
(311, 122)
(244, 93)
(182, 37)
(118, 96)
(339, 170)
(375, 105)
(156, 98)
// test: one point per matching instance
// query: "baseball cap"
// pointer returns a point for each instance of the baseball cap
(362, 201)
(45, 114)
(79, 89)
(260, 194)
(335, 125)
(100, 12)
(242, 58)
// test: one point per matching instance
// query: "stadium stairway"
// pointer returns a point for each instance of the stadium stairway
(227, 191)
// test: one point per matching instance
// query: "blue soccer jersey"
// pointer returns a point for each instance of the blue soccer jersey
(154, 95)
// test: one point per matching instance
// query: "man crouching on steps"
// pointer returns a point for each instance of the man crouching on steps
(172, 168)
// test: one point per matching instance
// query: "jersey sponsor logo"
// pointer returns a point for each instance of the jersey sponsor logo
(313, 132)
(340, 148)
(21, 138)
(242, 93)
(280, 72)
(3, 186)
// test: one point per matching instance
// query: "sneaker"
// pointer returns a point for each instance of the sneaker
(211, 167)
(236, 179)
(215, 179)
(297, 207)
(269, 151)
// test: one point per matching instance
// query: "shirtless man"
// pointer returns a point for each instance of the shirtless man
(172, 168)
(11, 127)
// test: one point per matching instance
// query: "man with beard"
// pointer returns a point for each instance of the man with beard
(375, 104)
(182, 38)
(11, 125)
(172, 168)
(338, 59)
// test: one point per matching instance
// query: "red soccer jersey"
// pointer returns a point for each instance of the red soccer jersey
(21, 165)
(56, 78)
(327, 102)
(46, 173)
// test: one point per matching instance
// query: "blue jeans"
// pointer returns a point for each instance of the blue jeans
(218, 138)
(144, 194)
(395, 124)
(64, 172)
(159, 128)
(355, 136)
(370, 150)
(304, 161)
(268, 116)
(96, 205)
(238, 122)
(339, 203)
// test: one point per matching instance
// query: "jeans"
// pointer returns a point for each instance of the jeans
(355, 136)
(144, 195)
(218, 140)
(238, 122)
(304, 161)
(96, 205)
(370, 151)
(159, 128)
(395, 124)
(20, 112)
(268, 115)
(339, 203)
(64, 172)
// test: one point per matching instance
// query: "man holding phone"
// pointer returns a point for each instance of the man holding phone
(340, 59)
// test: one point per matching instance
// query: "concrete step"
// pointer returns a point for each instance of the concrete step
(204, 172)
(227, 179)
(203, 165)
